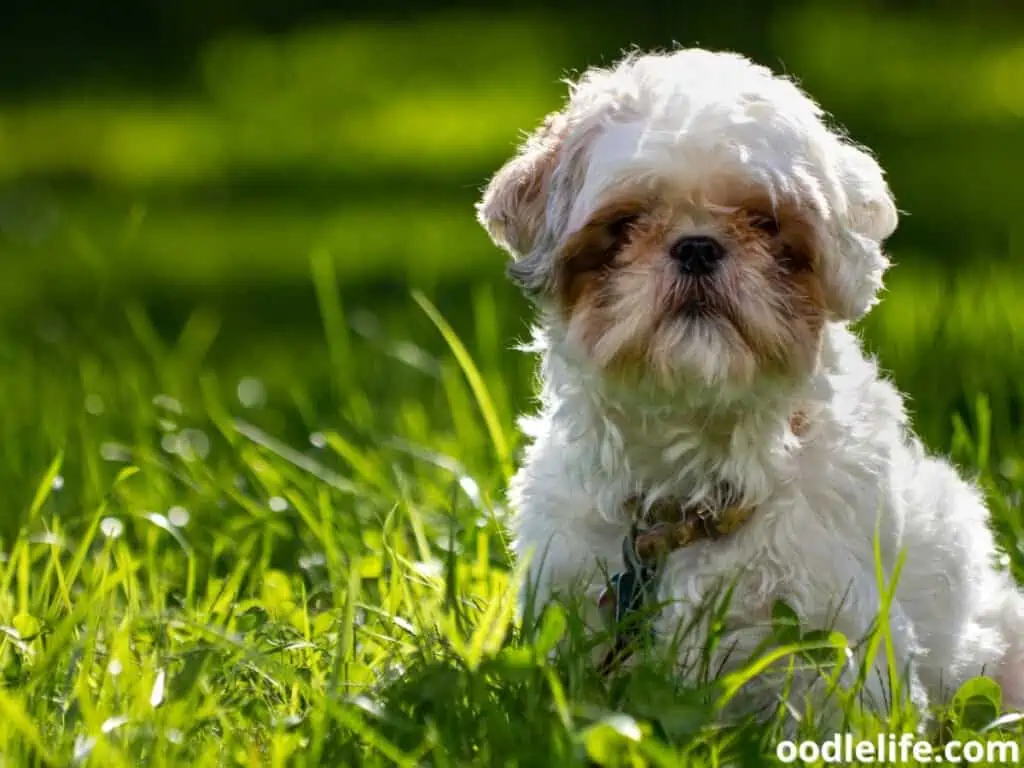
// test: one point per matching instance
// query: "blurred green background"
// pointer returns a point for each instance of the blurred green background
(167, 171)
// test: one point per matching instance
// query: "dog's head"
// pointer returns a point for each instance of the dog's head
(689, 217)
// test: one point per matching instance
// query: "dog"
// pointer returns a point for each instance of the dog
(697, 239)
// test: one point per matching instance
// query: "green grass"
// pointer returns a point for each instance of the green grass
(218, 571)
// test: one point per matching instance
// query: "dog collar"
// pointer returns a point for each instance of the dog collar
(673, 528)
(665, 528)
(632, 589)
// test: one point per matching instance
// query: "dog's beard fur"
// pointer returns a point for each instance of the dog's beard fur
(626, 305)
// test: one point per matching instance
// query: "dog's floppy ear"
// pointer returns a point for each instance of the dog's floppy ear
(870, 205)
(854, 278)
(513, 206)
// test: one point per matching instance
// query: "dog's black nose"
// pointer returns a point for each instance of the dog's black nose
(697, 255)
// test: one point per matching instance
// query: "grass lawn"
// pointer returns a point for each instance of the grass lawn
(252, 485)
(224, 569)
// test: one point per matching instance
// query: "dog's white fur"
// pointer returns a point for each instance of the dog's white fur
(696, 120)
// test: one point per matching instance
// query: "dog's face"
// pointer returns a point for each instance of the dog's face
(688, 218)
(721, 287)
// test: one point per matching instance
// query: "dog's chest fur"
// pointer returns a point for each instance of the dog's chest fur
(808, 490)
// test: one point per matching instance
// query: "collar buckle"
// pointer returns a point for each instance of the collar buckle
(624, 599)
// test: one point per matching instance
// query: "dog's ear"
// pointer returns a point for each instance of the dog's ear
(870, 206)
(854, 275)
(513, 206)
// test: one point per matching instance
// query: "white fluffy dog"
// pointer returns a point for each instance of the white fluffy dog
(697, 240)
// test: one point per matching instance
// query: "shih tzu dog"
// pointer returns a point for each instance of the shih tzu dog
(697, 240)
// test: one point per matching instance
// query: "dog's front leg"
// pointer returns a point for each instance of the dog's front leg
(568, 563)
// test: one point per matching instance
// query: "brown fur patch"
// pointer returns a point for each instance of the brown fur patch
(799, 423)
(625, 299)
(598, 265)
(600, 242)
(777, 247)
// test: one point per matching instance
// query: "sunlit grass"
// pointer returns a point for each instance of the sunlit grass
(243, 571)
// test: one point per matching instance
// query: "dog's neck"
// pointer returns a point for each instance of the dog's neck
(684, 445)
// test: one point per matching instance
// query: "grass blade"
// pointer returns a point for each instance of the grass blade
(476, 382)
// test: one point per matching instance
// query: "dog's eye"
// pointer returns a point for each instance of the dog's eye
(602, 244)
(794, 260)
(618, 230)
(767, 224)
(614, 236)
